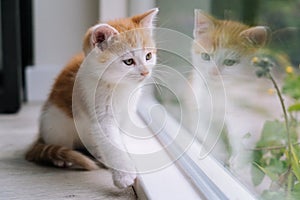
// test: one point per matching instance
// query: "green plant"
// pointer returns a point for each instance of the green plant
(276, 154)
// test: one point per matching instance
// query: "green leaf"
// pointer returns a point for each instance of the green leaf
(257, 175)
(268, 172)
(296, 191)
(273, 195)
(291, 86)
(273, 134)
(276, 166)
(257, 157)
(226, 141)
(295, 163)
(297, 187)
(295, 107)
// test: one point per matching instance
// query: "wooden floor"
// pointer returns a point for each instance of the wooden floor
(22, 180)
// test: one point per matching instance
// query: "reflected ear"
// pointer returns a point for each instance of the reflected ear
(146, 19)
(101, 33)
(256, 36)
(289, 35)
(203, 23)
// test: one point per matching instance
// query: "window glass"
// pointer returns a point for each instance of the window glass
(239, 94)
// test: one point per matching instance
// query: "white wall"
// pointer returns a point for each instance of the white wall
(59, 26)
(112, 9)
(138, 6)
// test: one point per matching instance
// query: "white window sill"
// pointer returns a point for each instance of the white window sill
(176, 180)
(168, 183)
(164, 183)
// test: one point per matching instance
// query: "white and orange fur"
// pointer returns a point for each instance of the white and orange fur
(118, 56)
(223, 79)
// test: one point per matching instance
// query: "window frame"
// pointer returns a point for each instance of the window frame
(206, 177)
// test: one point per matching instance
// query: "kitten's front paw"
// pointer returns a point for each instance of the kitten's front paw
(123, 179)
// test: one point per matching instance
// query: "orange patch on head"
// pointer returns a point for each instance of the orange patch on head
(224, 34)
(211, 34)
(133, 30)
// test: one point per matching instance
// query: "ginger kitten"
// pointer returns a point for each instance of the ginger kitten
(224, 82)
(118, 56)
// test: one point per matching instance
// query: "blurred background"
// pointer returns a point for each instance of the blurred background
(39, 36)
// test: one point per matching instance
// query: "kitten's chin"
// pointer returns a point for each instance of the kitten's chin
(215, 77)
(142, 79)
(136, 80)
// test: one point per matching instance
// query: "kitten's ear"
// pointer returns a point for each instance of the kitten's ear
(146, 20)
(203, 23)
(257, 36)
(98, 35)
(101, 33)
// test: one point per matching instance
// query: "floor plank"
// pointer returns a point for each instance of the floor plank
(20, 179)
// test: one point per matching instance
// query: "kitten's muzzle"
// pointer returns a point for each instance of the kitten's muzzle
(145, 73)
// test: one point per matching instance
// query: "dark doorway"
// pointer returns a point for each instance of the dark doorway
(15, 52)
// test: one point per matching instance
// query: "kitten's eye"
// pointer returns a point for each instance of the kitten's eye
(229, 62)
(205, 56)
(129, 61)
(149, 56)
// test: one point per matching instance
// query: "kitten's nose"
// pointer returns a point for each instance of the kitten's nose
(145, 73)
(215, 72)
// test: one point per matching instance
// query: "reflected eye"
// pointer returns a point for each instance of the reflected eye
(149, 56)
(229, 62)
(129, 61)
(205, 56)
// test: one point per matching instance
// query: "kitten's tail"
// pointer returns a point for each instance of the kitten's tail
(59, 156)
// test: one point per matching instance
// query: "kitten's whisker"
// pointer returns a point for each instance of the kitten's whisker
(156, 85)
(187, 72)
(160, 42)
(161, 67)
(160, 79)
(162, 75)
(157, 70)
(164, 23)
